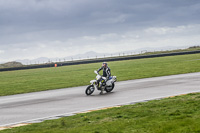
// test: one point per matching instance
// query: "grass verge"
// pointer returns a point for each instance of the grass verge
(180, 114)
(24, 81)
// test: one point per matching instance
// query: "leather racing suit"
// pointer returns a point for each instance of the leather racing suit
(106, 72)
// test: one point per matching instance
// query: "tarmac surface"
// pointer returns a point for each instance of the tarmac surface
(53, 104)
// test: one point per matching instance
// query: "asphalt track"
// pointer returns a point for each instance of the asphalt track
(39, 106)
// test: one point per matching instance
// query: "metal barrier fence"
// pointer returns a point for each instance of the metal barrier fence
(87, 61)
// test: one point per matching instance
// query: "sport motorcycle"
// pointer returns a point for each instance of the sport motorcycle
(100, 84)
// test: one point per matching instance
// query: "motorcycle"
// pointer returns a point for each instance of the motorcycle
(100, 84)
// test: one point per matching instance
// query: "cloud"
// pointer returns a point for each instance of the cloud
(2, 51)
(35, 28)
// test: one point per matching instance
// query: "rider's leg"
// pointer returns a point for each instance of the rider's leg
(102, 89)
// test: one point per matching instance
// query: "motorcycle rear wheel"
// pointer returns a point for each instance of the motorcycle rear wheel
(89, 90)
(109, 89)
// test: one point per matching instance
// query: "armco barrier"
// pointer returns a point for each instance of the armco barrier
(98, 60)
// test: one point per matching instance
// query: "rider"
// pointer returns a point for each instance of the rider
(106, 72)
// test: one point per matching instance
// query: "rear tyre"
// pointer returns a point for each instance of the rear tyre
(89, 90)
(110, 88)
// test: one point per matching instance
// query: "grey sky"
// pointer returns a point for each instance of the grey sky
(60, 28)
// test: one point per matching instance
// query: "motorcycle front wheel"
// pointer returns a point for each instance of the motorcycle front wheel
(89, 90)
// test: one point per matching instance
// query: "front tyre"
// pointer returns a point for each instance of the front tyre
(89, 90)
(110, 88)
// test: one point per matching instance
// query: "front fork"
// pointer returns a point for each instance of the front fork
(98, 85)
(95, 85)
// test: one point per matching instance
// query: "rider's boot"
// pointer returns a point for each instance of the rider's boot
(101, 92)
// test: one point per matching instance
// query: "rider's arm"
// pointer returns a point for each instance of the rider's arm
(99, 69)
(108, 74)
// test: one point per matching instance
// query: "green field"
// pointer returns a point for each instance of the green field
(24, 81)
(179, 114)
